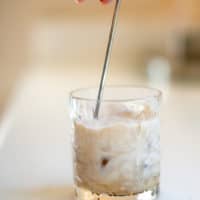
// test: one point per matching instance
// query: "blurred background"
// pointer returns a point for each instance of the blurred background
(48, 48)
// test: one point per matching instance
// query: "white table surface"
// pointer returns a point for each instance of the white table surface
(35, 156)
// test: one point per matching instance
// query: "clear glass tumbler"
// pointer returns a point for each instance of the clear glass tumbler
(116, 156)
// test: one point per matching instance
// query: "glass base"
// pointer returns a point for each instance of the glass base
(83, 194)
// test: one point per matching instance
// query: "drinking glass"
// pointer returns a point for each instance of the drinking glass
(117, 155)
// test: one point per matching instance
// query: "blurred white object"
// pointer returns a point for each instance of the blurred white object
(159, 74)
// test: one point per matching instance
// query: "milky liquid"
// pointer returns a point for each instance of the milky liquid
(118, 155)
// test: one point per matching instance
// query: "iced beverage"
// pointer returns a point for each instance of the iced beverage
(118, 154)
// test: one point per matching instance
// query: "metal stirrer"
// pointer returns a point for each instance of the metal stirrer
(107, 59)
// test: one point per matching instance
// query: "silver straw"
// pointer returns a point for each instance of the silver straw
(107, 58)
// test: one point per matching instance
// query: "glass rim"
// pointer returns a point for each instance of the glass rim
(156, 93)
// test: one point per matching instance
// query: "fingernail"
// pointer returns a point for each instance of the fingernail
(105, 1)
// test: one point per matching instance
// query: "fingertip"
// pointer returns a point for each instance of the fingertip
(105, 1)
(79, 1)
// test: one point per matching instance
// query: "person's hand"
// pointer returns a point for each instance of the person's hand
(102, 1)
